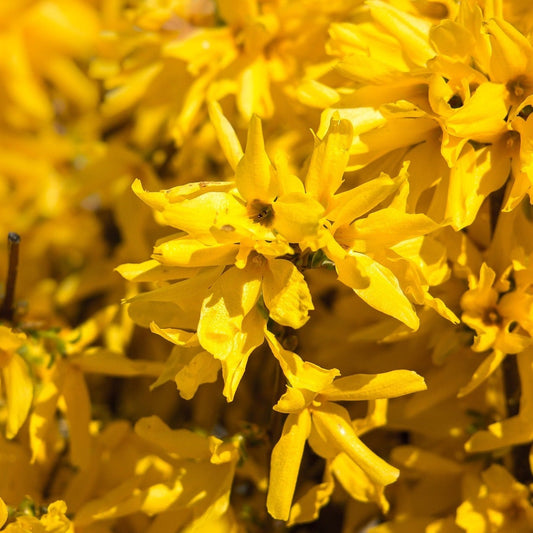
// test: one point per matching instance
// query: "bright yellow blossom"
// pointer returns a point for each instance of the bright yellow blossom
(313, 414)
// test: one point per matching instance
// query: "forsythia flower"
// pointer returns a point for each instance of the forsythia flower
(314, 415)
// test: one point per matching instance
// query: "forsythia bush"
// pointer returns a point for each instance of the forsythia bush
(267, 265)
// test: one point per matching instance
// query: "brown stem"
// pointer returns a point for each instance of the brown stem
(520, 453)
(7, 309)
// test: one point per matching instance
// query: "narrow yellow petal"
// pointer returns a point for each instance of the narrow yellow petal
(19, 393)
(389, 226)
(483, 371)
(41, 419)
(373, 386)
(356, 483)
(286, 294)
(334, 425)
(316, 94)
(226, 135)
(412, 32)
(285, 464)
(109, 363)
(255, 176)
(187, 252)
(153, 270)
(377, 286)
(350, 205)
(329, 159)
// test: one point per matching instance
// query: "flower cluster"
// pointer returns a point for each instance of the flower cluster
(269, 266)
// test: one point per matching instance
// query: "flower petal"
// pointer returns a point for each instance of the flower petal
(334, 424)
(377, 286)
(329, 159)
(285, 464)
(286, 294)
(19, 393)
(255, 176)
(373, 386)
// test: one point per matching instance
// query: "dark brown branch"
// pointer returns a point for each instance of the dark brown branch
(7, 309)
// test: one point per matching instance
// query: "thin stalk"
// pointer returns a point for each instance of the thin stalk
(7, 310)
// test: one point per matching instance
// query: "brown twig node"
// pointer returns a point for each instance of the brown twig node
(7, 309)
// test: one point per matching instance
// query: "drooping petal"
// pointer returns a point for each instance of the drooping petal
(231, 297)
(244, 344)
(356, 483)
(350, 205)
(377, 286)
(19, 393)
(286, 294)
(334, 425)
(285, 464)
(230, 326)
(41, 419)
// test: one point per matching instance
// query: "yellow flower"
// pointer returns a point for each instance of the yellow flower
(53, 521)
(166, 477)
(266, 56)
(455, 104)
(495, 502)
(313, 414)
(63, 385)
(501, 321)
(516, 429)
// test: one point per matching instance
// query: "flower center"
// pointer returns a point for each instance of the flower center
(260, 212)
(491, 317)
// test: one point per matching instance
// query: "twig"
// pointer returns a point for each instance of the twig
(7, 310)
